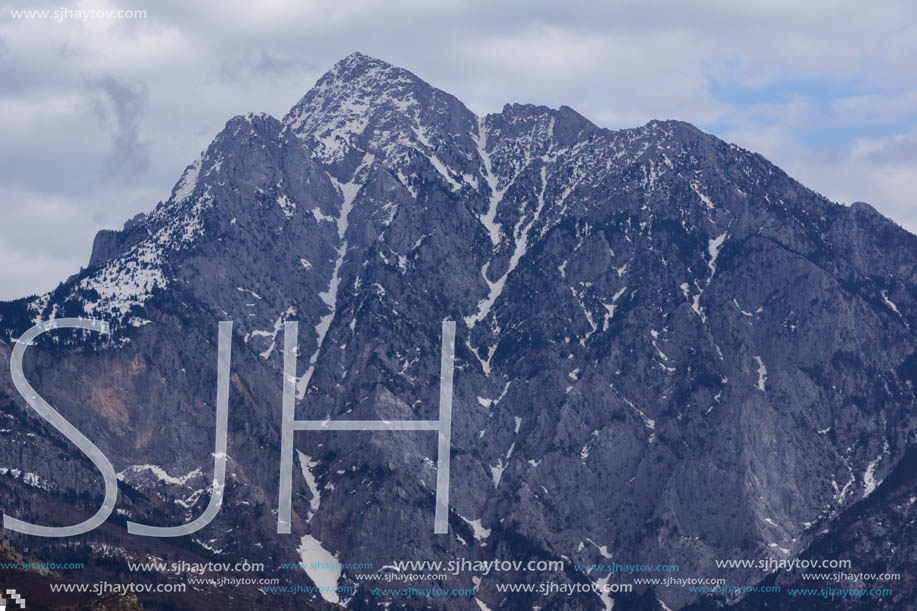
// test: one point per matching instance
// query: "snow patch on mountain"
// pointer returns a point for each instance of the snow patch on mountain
(314, 558)
(869, 477)
(480, 533)
(307, 464)
(160, 474)
(187, 183)
(762, 373)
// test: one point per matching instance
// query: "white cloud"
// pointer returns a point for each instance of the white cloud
(876, 108)
(26, 272)
(880, 171)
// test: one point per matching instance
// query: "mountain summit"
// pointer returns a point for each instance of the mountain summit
(667, 350)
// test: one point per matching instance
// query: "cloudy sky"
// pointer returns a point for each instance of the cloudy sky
(99, 117)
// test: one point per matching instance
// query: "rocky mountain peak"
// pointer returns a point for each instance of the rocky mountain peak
(356, 65)
(364, 105)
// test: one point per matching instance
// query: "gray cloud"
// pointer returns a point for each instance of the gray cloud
(120, 107)
(263, 63)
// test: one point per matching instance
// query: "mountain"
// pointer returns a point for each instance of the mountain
(32, 586)
(876, 535)
(667, 352)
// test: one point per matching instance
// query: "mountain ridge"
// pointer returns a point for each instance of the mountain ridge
(665, 344)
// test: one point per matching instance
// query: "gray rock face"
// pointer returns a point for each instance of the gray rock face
(876, 535)
(668, 351)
